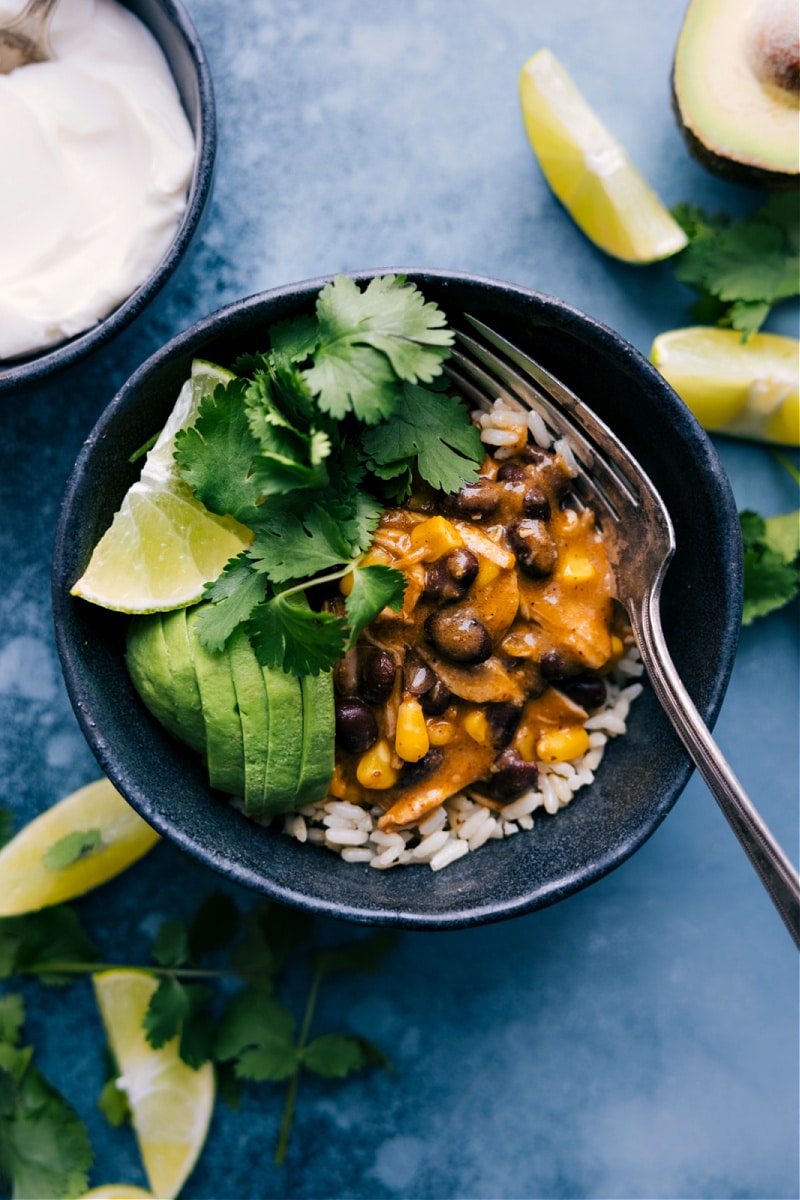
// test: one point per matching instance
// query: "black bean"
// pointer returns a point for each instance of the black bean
(552, 665)
(536, 504)
(513, 473)
(356, 727)
(437, 700)
(534, 547)
(415, 772)
(587, 690)
(475, 499)
(503, 720)
(377, 673)
(458, 635)
(418, 677)
(511, 776)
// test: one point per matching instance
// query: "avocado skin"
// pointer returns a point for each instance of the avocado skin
(730, 169)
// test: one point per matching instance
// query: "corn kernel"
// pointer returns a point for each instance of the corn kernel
(440, 732)
(577, 569)
(525, 742)
(375, 768)
(477, 727)
(562, 745)
(617, 651)
(436, 536)
(411, 740)
(346, 583)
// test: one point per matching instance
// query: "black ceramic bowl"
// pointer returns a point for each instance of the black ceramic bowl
(169, 23)
(642, 773)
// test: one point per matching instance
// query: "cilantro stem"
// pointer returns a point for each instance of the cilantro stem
(294, 1081)
(788, 465)
(331, 577)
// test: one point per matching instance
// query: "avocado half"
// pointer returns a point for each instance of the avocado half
(736, 89)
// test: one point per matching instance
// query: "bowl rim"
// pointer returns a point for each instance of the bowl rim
(32, 368)
(627, 357)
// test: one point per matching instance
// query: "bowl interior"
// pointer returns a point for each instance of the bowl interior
(642, 773)
(169, 23)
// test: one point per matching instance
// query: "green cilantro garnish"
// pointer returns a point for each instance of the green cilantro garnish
(71, 848)
(306, 447)
(771, 562)
(220, 979)
(44, 1146)
(740, 268)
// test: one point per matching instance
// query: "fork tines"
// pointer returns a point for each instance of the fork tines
(483, 376)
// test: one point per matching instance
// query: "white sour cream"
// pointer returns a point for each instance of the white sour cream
(97, 155)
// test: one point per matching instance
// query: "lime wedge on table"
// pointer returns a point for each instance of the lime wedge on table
(589, 170)
(163, 545)
(170, 1102)
(28, 884)
(748, 389)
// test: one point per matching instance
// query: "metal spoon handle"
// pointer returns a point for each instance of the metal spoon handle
(773, 867)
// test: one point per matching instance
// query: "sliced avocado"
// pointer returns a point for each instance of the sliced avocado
(251, 697)
(319, 728)
(189, 712)
(224, 741)
(148, 667)
(735, 89)
(285, 741)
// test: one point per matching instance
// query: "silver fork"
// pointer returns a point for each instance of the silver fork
(641, 541)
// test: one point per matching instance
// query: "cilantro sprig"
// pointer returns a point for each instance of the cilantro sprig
(306, 447)
(740, 268)
(223, 981)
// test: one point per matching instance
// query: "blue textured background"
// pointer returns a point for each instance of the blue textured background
(641, 1039)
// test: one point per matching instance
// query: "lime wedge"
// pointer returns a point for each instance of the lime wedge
(27, 884)
(747, 389)
(117, 1191)
(589, 171)
(170, 1102)
(163, 545)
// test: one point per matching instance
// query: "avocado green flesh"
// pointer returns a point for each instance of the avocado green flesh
(251, 698)
(266, 735)
(188, 708)
(285, 742)
(735, 121)
(317, 759)
(146, 660)
(224, 741)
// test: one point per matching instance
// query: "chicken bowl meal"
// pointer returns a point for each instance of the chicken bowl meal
(349, 637)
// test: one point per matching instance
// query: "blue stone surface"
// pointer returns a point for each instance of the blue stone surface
(640, 1039)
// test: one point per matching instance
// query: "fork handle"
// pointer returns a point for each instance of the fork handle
(771, 863)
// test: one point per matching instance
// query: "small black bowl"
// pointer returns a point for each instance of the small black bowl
(172, 28)
(643, 772)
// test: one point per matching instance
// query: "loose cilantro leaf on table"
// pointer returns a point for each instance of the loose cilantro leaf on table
(306, 447)
(771, 562)
(71, 848)
(44, 1146)
(740, 267)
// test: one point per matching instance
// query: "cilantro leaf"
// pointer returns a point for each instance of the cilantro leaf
(740, 268)
(171, 945)
(168, 1008)
(113, 1104)
(771, 562)
(294, 544)
(12, 1017)
(71, 848)
(235, 594)
(44, 1146)
(29, 943)
(215, 455)
(287, 633)
(334, 1055)
(370, 340)
(258, 1033)
(374, 587)
(433, 429)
